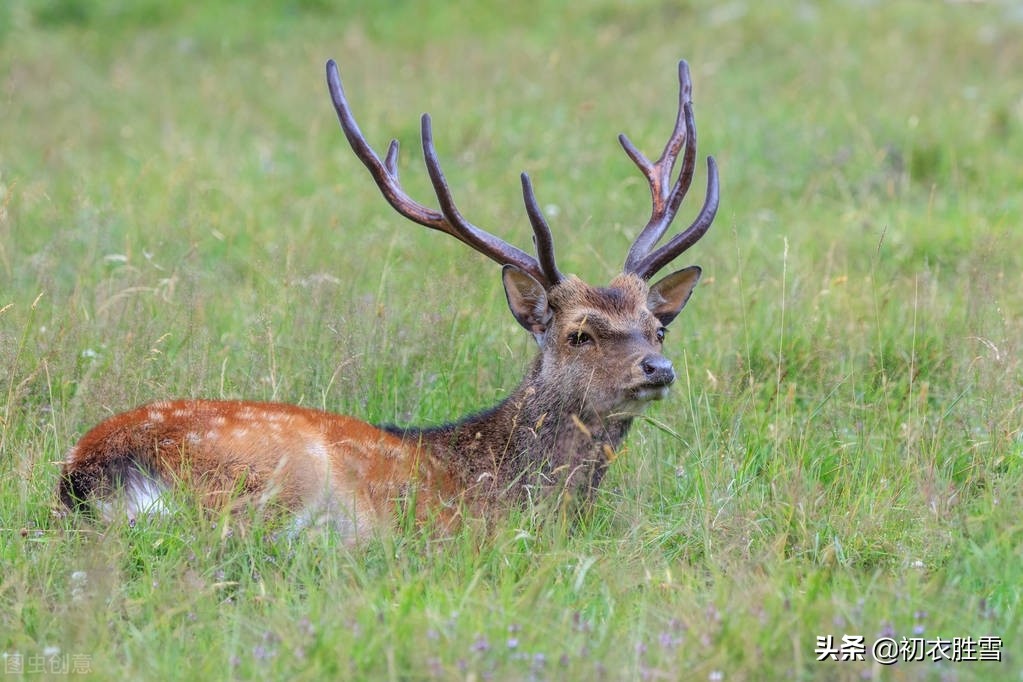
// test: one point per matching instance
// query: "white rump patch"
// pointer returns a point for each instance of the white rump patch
(145, 496)
(140, 495)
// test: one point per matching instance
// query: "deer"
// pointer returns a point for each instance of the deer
(599, 363)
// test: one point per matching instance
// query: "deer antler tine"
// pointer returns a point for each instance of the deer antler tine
(685, 84)
(347, 120)
(638, 157)
(440, 184)
(391, 160)
(542, 238)
(679, 134)
(685, 177)
(692, 234)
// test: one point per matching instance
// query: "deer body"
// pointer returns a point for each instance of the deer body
(599, 364)
(321, 466)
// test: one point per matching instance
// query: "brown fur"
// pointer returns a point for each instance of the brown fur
(235, 452)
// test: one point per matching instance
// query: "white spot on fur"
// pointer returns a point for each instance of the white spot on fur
(181, 413)
(219, 420)
(318, 451)
(345, 519)
(193, 438)
(71, 454)
(155, 416)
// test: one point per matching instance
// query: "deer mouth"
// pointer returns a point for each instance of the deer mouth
(645, 393)
(633, 400)
(649, 392)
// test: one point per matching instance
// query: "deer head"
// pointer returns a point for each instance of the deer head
(600, 345)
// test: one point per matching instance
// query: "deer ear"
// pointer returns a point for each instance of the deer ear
(669, 295)
(528, 301)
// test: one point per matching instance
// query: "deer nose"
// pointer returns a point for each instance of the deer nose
(658, 370)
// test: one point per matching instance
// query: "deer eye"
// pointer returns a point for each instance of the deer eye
(661, 331)
(579, 339)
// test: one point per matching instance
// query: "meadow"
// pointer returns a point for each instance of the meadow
(841, 457)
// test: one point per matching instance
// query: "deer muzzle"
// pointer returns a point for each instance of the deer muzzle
(657, 371)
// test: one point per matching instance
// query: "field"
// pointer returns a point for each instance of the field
(843, 452)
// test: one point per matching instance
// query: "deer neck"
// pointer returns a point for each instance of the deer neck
(538, 440)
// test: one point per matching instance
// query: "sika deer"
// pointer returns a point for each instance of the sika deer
(599, 363)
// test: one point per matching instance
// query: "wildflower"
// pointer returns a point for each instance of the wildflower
(480, 645)
(669, 641)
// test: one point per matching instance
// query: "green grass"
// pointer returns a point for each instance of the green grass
(843, 453)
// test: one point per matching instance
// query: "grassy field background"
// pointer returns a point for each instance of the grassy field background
(843, 453)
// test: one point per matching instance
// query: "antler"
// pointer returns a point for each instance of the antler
(667, 197)
(448, 219)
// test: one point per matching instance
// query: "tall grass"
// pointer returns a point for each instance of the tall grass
(843, 453)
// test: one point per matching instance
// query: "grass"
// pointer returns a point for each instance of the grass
(843, 455)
